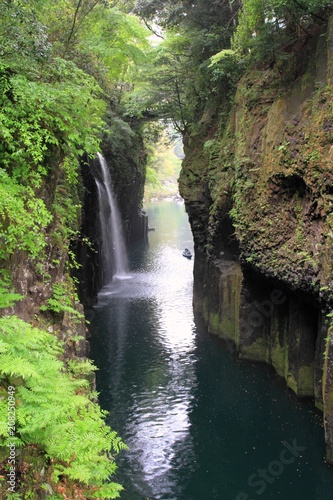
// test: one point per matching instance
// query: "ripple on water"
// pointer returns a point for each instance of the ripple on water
(197, 422)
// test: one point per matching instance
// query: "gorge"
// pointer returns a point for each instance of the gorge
(271, 299)
(198, 423)
(248, 85)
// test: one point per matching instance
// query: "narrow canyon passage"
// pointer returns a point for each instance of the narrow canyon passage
(199, 423)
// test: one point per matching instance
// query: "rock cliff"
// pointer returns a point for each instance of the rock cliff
(124, 152)
(257, 182)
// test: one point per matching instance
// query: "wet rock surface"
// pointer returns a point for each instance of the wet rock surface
(261, 210)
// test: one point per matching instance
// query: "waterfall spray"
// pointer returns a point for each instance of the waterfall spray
(113, 250)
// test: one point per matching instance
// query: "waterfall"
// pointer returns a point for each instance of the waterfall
(113, 250)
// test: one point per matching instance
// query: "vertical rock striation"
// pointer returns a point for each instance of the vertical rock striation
(124, 152)
(258, 187)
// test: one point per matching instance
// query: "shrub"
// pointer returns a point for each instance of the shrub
(54, 410)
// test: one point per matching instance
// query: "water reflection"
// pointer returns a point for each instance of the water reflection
(198, 422)
(150, 312)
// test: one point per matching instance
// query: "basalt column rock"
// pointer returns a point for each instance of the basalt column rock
(217, 297)
(125, 156)
(328, 397)
(265, 164)
(87, 247)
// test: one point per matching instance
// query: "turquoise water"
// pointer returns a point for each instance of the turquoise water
(199, 423)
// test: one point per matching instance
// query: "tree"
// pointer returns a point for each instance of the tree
(267, 26)
(162, 88)
(179, 77)
(193, 14)
(23, 38)
(99, 37)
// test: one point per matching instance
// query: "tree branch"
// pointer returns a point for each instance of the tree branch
(71, 33)
(75, 24)
(302, 7)
(182, 118)
(87, 13)
(151, 29)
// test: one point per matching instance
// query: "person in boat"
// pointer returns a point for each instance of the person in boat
(187, 253)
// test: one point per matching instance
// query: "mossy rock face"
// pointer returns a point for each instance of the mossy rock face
(214, 323)
(279, 342)
(278, 359)
(257, 351)
(193, 187)
(217, 296)
(267, 164)
(328, 394)
(257, 181)
(305, 386)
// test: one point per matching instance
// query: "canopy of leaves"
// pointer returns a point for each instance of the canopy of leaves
(23, 38)
(165, 89)
(198, 14)
(62, 109)
(267, 26)
(178, 78)
(100, 38)
(207, 46)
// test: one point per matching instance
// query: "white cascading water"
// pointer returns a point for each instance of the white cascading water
(113, 252)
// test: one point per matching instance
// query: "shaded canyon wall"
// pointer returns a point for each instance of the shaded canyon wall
(258, 187)
(125, 154)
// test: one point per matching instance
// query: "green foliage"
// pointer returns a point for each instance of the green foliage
(61, 116)
(14, 496)
(23, 39)
(53, 409)
(116, 40)
(165, 84)
(63, 111)
(23, 218)
(223, 55)
(119, 136)
(100, 38)
(7, 296)
(225, 69)
(265, 27)
(179, 76)
(80, 367)
(61, 300)
(214, 16)
(67, 206)
(50, 115)
(8, 299)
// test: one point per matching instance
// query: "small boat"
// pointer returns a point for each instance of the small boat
(187, 253)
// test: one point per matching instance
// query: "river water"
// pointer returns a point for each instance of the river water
(200, 425)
